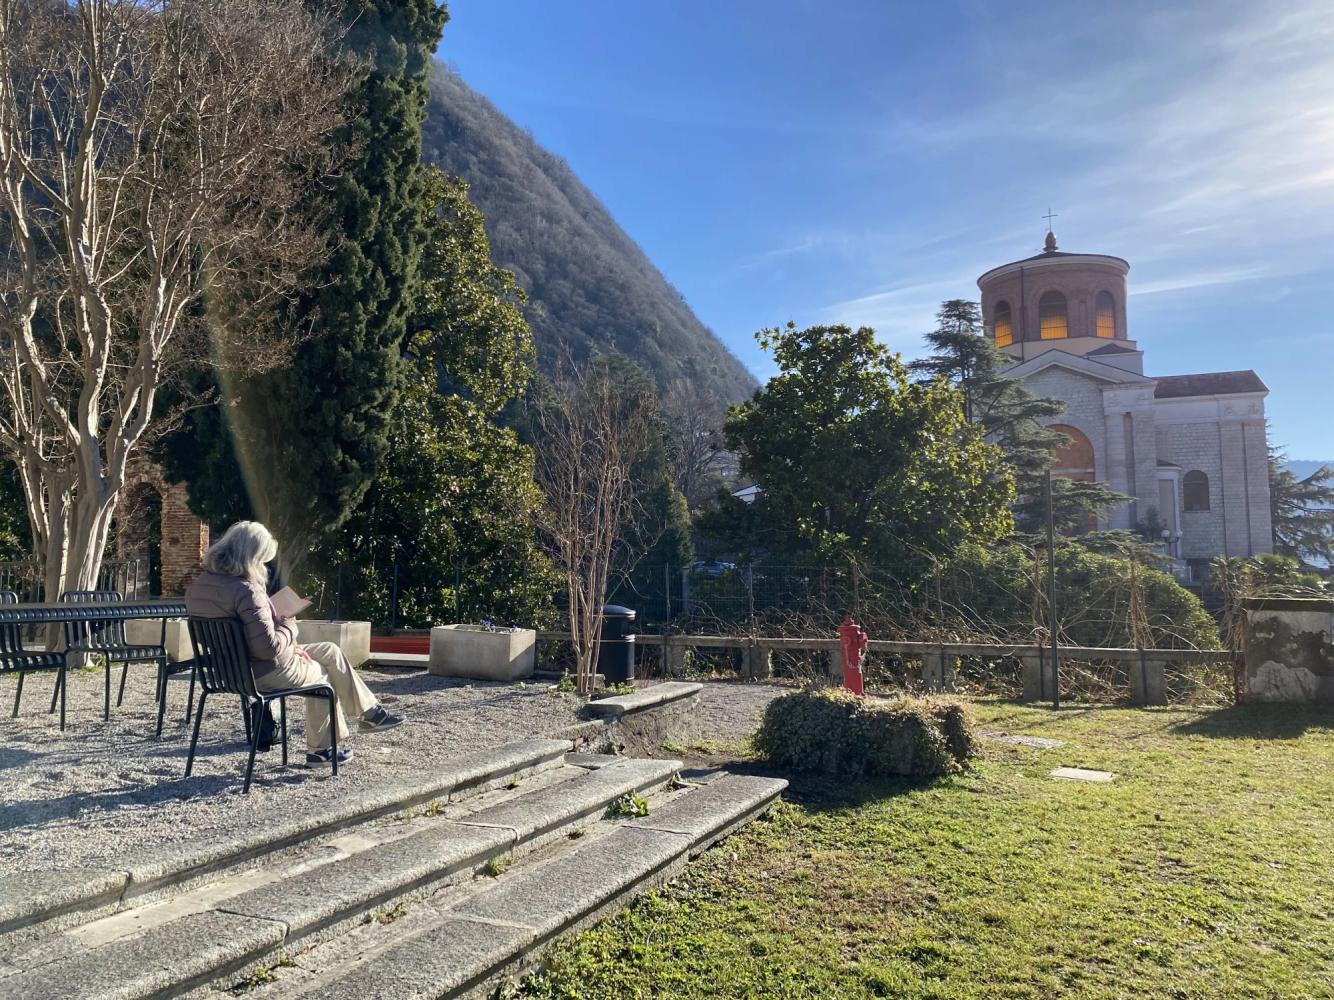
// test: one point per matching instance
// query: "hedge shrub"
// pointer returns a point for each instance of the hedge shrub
(836, 732)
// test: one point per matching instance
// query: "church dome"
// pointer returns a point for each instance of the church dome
(1074, 302)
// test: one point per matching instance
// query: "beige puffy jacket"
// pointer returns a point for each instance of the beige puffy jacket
(271, 642)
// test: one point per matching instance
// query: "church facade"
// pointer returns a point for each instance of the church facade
(1190, 450)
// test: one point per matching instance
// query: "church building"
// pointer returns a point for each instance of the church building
(1190, 450)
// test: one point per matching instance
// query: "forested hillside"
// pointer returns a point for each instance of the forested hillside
(590, 287)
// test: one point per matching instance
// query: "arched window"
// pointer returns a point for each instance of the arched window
(1106, 307)
(1004, 326)
(1195, 491)
(1053, 323)
(1074, 458)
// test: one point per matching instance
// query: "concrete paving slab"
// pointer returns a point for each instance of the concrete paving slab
(29, 896)
(707, 812)
(451, 957)
(1082, 774)
(314, 899)
(546, 809)
(1039, 742)
(645, 698)
(551, 896)
(163, 961)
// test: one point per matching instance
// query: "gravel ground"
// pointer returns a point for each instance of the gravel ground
(104, 789)
(731, 710)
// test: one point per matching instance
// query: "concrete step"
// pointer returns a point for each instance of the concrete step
(36, 903)
(158, 948)
(461, 944)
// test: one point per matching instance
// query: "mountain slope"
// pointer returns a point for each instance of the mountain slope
(590, 287)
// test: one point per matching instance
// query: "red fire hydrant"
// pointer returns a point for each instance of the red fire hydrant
(852, 642)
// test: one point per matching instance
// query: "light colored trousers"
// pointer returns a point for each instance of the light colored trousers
(327, 665)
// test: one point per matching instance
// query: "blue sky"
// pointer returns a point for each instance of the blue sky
(859, 161)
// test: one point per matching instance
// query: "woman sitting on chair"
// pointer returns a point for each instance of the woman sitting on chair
(233, 585)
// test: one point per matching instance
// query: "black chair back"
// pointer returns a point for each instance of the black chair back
(221, 656)
(11, 633)
(105, 633)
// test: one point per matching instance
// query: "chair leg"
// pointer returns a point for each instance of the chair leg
(282, 714)
(124, 669)
(254, 748)
(190, 705)
(161, 695)
(64, 689)
(106, 703)
(245, 714)
(18, 693)
(194, 740)
(333, 730)
(55, 692)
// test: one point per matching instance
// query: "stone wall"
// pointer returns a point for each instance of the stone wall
(1290, 649)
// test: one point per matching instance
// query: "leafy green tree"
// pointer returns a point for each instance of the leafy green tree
(1303, 511)
(308, 438)
(859, 462)
(454, 502)
(1014, 418)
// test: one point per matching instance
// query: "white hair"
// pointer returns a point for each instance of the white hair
(242, 551)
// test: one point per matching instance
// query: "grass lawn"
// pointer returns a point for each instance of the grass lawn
(1205, 870)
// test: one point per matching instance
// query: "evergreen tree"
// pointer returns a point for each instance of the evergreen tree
(453, 504)
(1303, 511)
(1014, 418)
(308, 438)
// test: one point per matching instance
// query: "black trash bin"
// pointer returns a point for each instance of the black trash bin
(616, 656)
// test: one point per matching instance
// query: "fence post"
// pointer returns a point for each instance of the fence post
(393, 602)
(666, 594)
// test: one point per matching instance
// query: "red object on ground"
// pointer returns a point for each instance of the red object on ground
(852, 642)
(401, 644)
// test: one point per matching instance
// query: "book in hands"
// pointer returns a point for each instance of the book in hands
(287, 603)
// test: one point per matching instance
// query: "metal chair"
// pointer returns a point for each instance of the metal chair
(16, 658)
(106, 636)
(222, 663)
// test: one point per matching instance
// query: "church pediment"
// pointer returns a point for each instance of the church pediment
(1080, 365)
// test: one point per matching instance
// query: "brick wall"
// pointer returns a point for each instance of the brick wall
(184, 537)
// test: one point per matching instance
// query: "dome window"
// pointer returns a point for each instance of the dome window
(1106, 309)
(1003, 324)
(1053, 320)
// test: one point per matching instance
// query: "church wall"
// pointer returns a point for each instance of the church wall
(1195, 447)
(1083, 409)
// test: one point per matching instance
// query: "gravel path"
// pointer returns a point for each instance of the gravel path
(103, 789)
(731, 710)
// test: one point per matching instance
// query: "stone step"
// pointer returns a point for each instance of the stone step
(472, 941)
(653, 696)
(136, 953)
(34, 903)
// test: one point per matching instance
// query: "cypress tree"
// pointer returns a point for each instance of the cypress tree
(308, 437)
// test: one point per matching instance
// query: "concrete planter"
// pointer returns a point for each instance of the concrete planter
(148, 632)
(353, 638)
(482, 654)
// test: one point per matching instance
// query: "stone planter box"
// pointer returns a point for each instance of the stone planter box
(353, 638)
(481, 654)
(148, 632)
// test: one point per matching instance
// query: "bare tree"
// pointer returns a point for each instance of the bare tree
(152, 158)
(591, 431)
(695, 421)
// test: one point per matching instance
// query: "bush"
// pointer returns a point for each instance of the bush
(838, 733)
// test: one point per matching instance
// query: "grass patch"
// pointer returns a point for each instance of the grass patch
(496, 867)
(627, 805)
(1201, 872)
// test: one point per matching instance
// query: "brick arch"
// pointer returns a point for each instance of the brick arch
(182, 536)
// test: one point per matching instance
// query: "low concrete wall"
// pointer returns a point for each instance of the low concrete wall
(482, 654)
(353, 638)
(1289, 649)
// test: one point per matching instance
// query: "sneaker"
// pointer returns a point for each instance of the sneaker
(379, 718)
(316, 757)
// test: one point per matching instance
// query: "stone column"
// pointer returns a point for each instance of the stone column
(757, 662)
(938, 670)
(1148, 682)
(673, 658)
(1039, 678)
